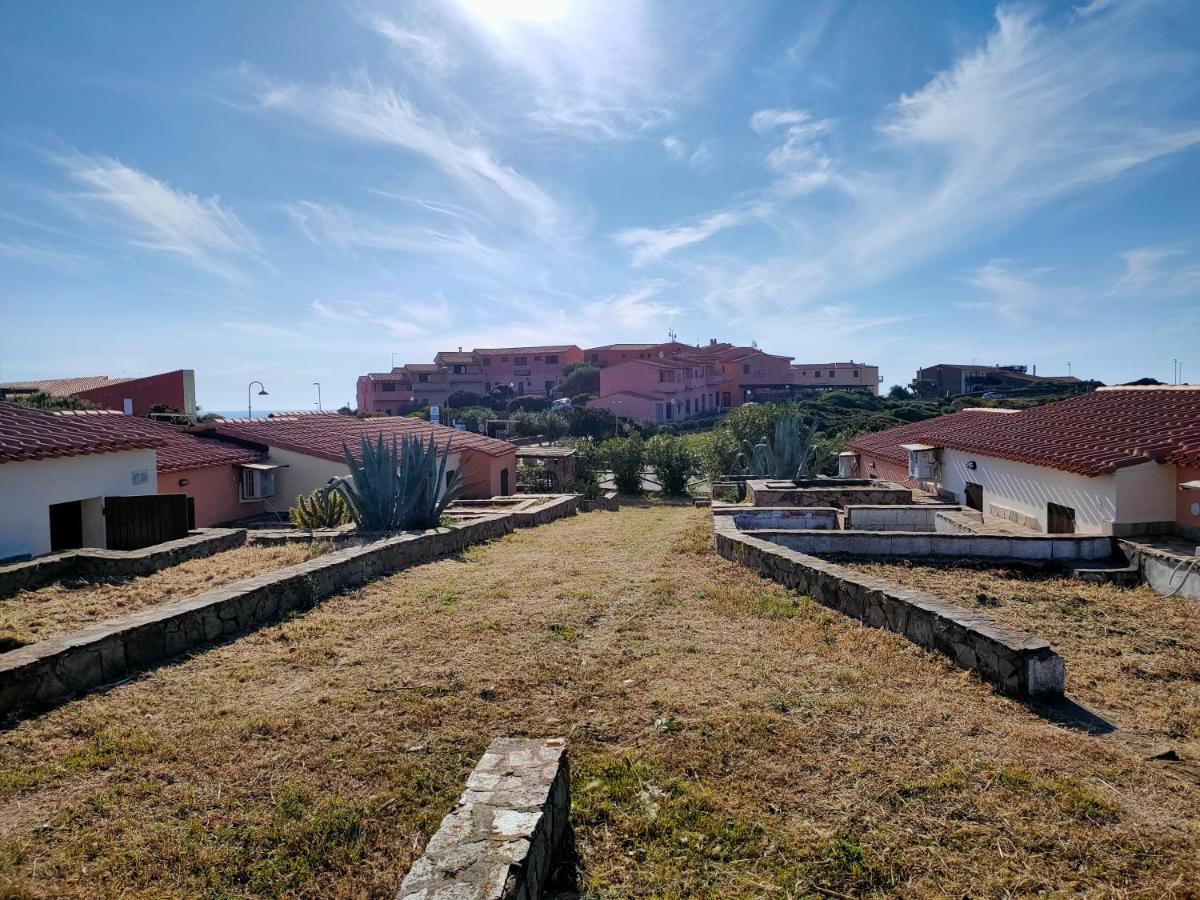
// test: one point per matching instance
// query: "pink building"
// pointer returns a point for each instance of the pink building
(385, 393)
(659, 390)
(529, 370)
(132, 396)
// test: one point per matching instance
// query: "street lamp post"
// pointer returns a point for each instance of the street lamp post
(262, 393)
(318, 384)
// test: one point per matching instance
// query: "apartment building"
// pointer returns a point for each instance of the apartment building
(836, 375)
(951, 379)
(527, 370)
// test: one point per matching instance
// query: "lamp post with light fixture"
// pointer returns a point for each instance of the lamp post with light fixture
(262, 393)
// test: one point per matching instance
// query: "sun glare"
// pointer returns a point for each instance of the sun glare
(500, 13)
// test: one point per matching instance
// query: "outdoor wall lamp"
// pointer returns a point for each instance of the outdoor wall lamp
(971, 465)
(183, 482)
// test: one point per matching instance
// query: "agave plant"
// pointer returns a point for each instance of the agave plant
(323, 508)
(794, 453)
(399, 486)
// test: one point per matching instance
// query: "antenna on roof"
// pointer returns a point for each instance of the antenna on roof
(672, 335)
(754, 344)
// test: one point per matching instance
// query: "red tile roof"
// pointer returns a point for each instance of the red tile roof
(27, 434)
(178, 449)
(525, 351)
(450, 357)
(421, 367)
(885, 445)
(64, 387)
(1094, 434)
(322, 434)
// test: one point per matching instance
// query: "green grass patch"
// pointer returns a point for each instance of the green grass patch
(1073, 798)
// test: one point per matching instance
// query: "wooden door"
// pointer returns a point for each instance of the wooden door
(131, 523)
(1060, 519)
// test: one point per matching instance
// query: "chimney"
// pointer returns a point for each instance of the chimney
(1035, 368)
(712, 342)
(460, 349)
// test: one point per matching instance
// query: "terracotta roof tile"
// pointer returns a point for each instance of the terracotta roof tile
(27, 434)
(1094, 434)
(322, 434)
(64, 387)
(178, 449)
(525, 351)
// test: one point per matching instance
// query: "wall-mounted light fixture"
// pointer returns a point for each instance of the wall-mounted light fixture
(971, 465)
(183, 482)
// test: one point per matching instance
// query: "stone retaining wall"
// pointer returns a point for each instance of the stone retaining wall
(1019, 663)
(608, 502)
(919, 544)
(783, 493)
(892, 517)
(1167, 573)
(50, 671)
(94, 562)
(555, 507)
(507, 831)
(782, 517)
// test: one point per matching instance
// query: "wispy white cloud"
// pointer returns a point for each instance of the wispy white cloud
(157, 216)
(676, 149)
(1169, 271)
(335, 226)
(651, 245)
(418, 46)
(700, 158)
(635, 310)
(1020, 298)
(381, 113)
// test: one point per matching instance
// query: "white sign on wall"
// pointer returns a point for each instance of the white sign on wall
(435, 414)
(141, 476)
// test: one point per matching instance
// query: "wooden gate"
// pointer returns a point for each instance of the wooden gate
(1060, 519)
(974, 495)
(131, 523)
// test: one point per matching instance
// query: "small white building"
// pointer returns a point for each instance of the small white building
(1121, 460)
(54, 475)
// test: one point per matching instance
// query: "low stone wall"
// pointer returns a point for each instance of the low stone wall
(781, 517)
(892, 517)
(60, 667)
(1012, 515)
(608, 502)
(1019, 663)
(93, 562)
(768, 492)
(507, 832)
(917, 544)
(555, 507)
(1168, 573)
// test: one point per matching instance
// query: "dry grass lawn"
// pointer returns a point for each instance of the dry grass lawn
(728, 739)
(1132, 655)
(29, 616)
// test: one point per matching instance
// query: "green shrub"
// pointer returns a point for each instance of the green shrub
(626, 458)
(528, 403)
(672, 461)
(323, 508)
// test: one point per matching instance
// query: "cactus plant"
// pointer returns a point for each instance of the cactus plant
(398, 487)
(793, 454)
(323, 508)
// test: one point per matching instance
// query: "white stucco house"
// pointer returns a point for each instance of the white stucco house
(54, 475)
(1120, 460)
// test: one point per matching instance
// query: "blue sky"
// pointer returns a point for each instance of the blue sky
(294, 192)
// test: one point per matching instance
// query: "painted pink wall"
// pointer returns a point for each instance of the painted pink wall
(501, 368)
(482, 474)
(626, 407)
(215, 492)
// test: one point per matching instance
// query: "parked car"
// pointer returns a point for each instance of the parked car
(993, 395)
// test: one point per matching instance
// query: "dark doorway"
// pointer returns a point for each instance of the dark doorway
(1060, 519)
(131, 523)
(504, 482)
(66, 526)
(974, 494)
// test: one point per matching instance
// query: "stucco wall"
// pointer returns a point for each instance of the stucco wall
(214, 491)
(1146, 493)
(482, 475)
(27, 489)
(1027, 489)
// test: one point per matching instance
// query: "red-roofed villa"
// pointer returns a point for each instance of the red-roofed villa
(1120, 460)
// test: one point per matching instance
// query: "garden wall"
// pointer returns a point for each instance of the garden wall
(60, 667)
(785, 493)
(93, 562)
(508, 830)
(782, 517)
(890, 517)
(918, 544)
(1019, 663)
